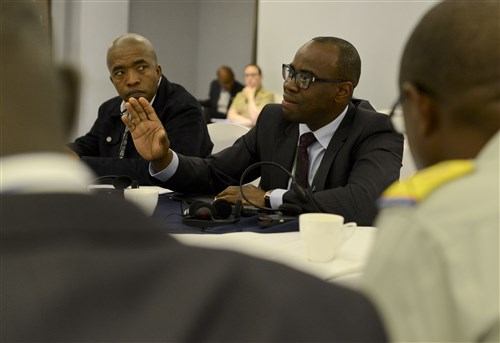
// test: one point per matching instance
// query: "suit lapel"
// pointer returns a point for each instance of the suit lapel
(334, 146)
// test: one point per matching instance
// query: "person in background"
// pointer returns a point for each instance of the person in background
(80, 267)
(353, 155)
(249, 102)
(221, 94)
(434, 269)
(134, 71)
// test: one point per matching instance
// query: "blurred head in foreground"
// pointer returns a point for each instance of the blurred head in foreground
(36, 112)
(450, 81)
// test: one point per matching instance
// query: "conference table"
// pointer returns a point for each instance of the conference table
(280, 243)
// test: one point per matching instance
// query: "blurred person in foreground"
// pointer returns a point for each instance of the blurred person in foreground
(434, 270)
(221, 94)
(135, 72)
(353, 153)
(78, 267)
(250, 101)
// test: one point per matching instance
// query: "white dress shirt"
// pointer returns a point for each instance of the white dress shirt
(316, 152)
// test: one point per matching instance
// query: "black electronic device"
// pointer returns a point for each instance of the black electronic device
(267, 220)
(246, 210)
(204, 214)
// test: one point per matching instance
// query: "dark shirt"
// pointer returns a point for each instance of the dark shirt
(211, 105)
(181, 116)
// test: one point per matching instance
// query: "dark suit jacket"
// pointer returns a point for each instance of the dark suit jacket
(362, 159)
(80, 268)
(214, 94)
(181, 116)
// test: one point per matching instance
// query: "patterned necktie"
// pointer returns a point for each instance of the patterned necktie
(302, 169)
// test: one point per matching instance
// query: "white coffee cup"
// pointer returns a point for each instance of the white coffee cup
(323, 235)
(144, 198)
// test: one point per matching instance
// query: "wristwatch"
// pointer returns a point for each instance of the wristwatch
(267, 198)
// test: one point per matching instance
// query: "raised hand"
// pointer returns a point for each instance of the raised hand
(147, 131)
(249, 92)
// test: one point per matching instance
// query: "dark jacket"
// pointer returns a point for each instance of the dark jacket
(180, 114)
(101, 271)
(210, 105)
(362, 160)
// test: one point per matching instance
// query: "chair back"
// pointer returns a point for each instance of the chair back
(224, 134)
(409, 167)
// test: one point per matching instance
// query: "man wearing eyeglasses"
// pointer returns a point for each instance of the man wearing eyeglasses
(354, 152)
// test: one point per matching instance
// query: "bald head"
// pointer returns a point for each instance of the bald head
(30, 112)
(225, 70)
(225, 76)
(133, 67)
(131, 40)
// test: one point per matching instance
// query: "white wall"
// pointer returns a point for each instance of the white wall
(225, 37)
(193, 38)
(83, 31)
(172, 27)
(378, 30)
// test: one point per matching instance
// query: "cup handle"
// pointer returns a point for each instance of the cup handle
(351, 227)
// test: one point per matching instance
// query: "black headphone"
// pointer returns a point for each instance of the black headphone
(119, 182)
(203, 214)
(304, 195)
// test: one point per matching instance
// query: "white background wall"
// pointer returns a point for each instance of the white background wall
(82, 32)
(378, 30)
(193, 38)
(226, 36)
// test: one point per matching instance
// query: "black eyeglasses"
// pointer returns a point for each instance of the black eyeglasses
(302, 80)
(396, 113)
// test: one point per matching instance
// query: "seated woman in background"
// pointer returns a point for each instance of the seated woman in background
(249, 102)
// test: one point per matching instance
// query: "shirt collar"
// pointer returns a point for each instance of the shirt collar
(43, 173)
(324, 134)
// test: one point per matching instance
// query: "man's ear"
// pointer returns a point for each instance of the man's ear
(344, 92)
(420, 104)
(69, 80)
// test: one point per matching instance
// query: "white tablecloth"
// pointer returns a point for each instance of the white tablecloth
(289, 249)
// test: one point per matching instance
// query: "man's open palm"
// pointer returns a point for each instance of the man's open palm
(147, 131)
